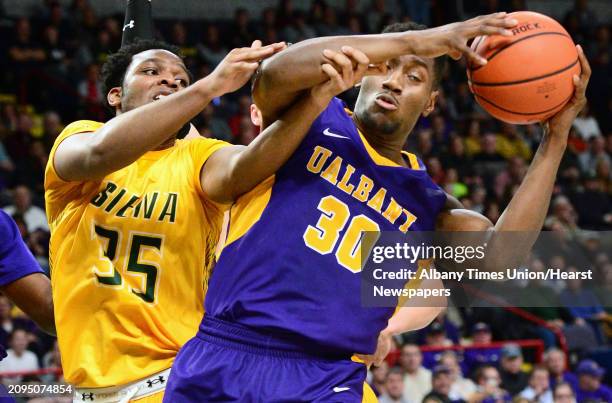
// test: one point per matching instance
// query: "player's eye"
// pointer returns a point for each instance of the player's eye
(150, 71)
(414, 77)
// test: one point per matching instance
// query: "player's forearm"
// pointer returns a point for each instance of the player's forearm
(522, 221)
(298, 67)
(126, 137)
(268, 152)
(32, 294)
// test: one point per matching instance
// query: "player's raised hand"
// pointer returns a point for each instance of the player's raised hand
(561, 122)
(452, 38)
(238, 66)
(344, 69)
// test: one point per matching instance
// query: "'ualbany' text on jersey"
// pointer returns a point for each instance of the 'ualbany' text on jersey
(130, 256)
(291, 260)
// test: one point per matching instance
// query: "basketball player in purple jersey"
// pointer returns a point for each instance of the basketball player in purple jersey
(283, 310)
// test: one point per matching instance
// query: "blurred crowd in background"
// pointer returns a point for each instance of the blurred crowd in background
(50, 76)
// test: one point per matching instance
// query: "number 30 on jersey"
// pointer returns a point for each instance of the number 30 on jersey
(325, 235)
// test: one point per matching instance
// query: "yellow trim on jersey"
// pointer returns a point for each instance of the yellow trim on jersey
(247, 210)
(368, 394)
(414, 283)
(379, 159)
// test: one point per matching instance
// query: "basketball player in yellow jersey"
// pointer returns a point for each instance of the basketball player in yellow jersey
(135, 213)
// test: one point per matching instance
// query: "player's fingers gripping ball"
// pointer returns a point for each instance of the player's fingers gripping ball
(528, 75)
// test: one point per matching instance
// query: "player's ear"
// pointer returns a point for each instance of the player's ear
(114, 97)
(431, 103)
(255, 115)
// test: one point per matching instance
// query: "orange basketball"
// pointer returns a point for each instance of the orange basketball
(528, 76)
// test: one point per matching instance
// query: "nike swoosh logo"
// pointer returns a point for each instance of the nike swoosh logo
(326, 132)
(338, 389)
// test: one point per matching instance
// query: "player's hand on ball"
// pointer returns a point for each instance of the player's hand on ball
(343, 69)
(382, 350)
(238, 66)
(452, 38)
(561, 122)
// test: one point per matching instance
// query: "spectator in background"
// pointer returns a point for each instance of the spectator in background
(563, 393)
(212, 51)
(52, 127)
(538, 389)
(417, 379)
(510, 143)
(330, 25)
(510, 179)
(440, 386)
(210, 125)
(488, 163)
(435, 336)
(513, 378)
(33, 216)
(379, 376)
(18, 357)
(461, 388)
(563, 214)
(473, 137)
(481, 336)
(24, 51)
(394, 388)
(242, 34)
(453, 185)
(590, 387)
(299, 30)
(583, 304)
(597, 151)
(90, 88)
(556, 363)
(540, 300)
(457, 158)
(593, 203)
(586, 125)
(488, 387)
(51, 360)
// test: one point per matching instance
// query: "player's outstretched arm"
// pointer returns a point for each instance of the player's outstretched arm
(232, 171)
(527, 209)
(285, 75)
(123, 139)
(32, 294)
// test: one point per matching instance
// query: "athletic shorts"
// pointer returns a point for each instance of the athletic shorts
(228, 363)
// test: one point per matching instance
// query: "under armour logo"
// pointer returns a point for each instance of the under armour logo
(87, 396)
(130, 25)
(160, 379)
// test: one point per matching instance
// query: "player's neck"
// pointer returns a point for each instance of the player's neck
(388, 145)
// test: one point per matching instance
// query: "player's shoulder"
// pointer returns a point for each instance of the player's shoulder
(201, 143)
(81, 126)
(336, 114)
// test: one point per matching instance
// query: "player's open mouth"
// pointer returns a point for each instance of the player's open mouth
(386, 102)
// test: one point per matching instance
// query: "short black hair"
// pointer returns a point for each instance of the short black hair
(440, 62)
(113, 71)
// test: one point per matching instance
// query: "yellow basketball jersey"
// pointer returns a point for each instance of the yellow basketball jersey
(130, 256)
